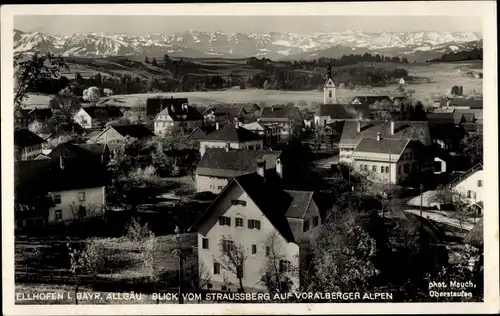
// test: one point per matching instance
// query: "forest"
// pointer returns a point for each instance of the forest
(475, 54)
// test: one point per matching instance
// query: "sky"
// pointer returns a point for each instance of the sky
(141, 25)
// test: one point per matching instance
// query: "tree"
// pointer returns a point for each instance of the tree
(65, 103)
(233, 258)
(92, 95)
(279, 271)
(108, 92)
(137, 232)
(92, 258)
(28, 255)
(36, 127)
(166, 61)
(472, 146)
(148, 248)
(154, 62)
(198, 276)
(456, 198)
(33, 71)
(457, 90)
(146, 60)
(343, 255)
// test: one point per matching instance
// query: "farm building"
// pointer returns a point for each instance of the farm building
(180, 118)
(96, 116)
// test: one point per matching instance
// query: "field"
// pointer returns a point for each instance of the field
(433, 79)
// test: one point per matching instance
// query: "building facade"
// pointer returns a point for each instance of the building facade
(177, 119)
(78, 204)
(27, 145)
(470, 184)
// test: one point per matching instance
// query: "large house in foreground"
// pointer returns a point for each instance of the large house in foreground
(268, 225)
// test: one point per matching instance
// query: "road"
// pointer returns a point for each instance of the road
(442, 217)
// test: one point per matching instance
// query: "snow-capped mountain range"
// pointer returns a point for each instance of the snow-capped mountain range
(270, 45)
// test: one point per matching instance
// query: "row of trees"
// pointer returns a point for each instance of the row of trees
(474, 54)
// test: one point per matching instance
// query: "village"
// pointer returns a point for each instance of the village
(248, 198)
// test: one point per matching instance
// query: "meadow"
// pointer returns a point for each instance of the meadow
(428, 80)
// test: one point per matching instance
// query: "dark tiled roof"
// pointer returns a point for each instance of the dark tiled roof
(464, 117)
(81, 152)
(473, 104)
(369, 100)
(280, 113)
(103, 113)
(300, 203)
(24, 137)
(384, 146)
(442, 117)
(200, 132)
(156, 105)
(465, 175)
(343, 111)
(46, 175)
(221, 163)
(229, 133)
(139, 131)
(181, 112)
(415, 130)
(35, 114)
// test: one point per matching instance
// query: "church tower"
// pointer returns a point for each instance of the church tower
(329, 89)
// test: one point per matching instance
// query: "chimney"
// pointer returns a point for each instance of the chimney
(261, 168)
(378, 136)
(358, 126)
(392, 127)
(61, 162)
(228, 146)
(216, 125)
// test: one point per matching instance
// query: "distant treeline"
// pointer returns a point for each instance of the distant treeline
(475, 54)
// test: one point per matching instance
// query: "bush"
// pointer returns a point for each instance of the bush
(137, 232)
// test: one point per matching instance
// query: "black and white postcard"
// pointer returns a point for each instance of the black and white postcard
(274, 158)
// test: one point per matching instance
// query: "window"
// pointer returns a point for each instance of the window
(469, 194)
(315, 221)
(284, 265)
(386, 169)
(227, 245)
(81, 196)
(224, 221)
(257, 147)
(306, 226)
(216, 268)
(209, 285)
(250, 147)
(239, 222)
(474, 196)
(382, 169)
(252, 223)
(324, 122)
(366, 167)
(254, 249)
(204, 243)
(57, 215)
(238, 202)
(57, 199)
(399, 169)
(479, 183)
(374, 168)
(239, 272)
(268, 251)
(220, 187)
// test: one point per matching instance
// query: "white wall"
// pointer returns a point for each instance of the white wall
(469, 187)
(211, 184)
(95, 200)
(233, 145)
(255, 264)
(164, 125)
(83, 119)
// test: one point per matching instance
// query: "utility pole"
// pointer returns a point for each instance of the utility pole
(181, 263)
(421, 198)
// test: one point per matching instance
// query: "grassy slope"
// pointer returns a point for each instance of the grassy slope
(442, 77)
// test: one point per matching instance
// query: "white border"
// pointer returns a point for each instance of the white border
(484, 9)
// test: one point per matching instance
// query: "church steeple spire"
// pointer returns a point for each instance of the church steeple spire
(329, 90)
